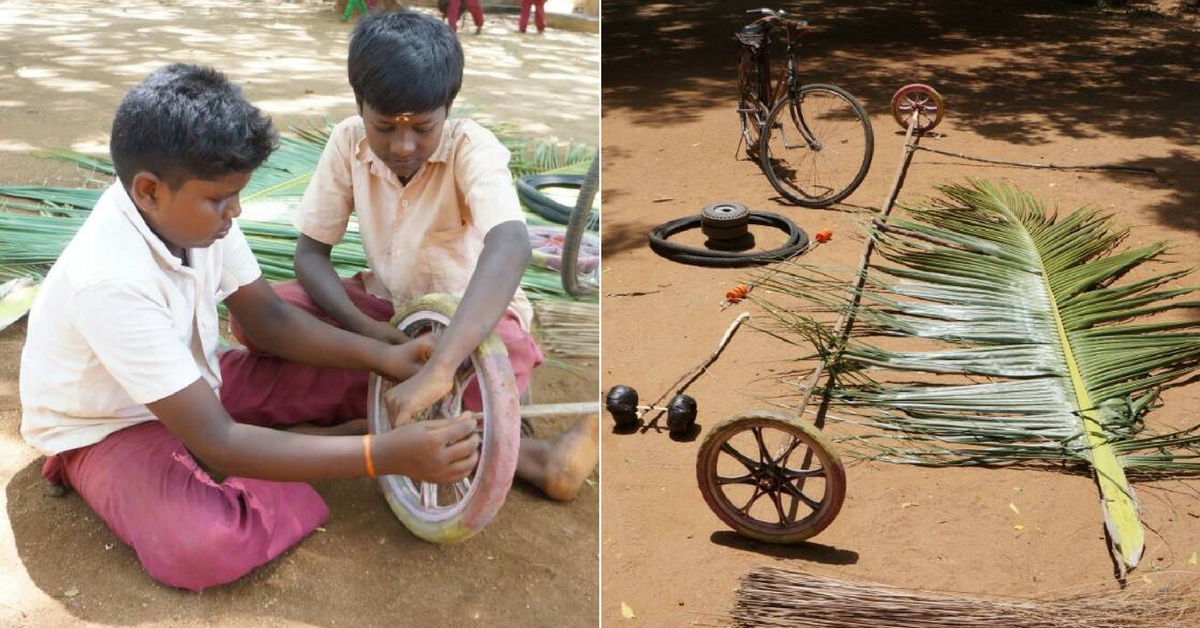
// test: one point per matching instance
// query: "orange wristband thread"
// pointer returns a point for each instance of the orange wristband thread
(367, 455)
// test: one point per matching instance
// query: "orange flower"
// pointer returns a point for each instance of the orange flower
(824, 236)
(737, 293)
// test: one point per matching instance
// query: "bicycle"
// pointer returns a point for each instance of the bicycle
(814, 142)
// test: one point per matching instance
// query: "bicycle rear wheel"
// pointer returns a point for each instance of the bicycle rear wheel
(817, 148)
(580, 279)
(751, 112)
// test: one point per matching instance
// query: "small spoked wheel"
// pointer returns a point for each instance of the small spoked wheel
(921, 99)
(751, 470)
(447, 513)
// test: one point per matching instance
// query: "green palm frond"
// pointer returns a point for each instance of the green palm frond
(1025, 345)
(41, 220)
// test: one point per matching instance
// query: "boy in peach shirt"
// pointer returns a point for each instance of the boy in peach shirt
(437, 213)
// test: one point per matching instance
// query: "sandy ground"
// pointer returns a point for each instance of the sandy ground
(63, 68)
(1046, 82)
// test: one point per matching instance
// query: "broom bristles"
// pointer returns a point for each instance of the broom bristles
(776, 598)
(568, 328)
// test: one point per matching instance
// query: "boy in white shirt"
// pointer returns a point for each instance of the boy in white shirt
(120, 371)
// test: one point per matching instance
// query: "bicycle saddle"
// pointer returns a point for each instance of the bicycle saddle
(753, 34)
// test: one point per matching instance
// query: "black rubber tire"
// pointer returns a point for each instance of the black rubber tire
(745, 242)
(797, 242)
(784, 182)
(529, 191)
(581, 217)
(717, 234)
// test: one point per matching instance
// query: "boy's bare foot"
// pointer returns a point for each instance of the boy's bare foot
(560, 466)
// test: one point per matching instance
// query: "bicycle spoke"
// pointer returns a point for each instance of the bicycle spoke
(429, 495)
(818, 146)
(782, 460)
(764, 456)
(775, 498)
(758, 492)
(795, 492)
(741, 479)
(751, 465)
(803, 474)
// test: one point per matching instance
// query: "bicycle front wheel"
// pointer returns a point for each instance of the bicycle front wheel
(816, 148)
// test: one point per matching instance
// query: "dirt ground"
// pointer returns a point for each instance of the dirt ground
(64, 67)
(1044, 82)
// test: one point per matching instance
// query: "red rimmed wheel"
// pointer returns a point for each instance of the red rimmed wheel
(752, 473)
(448, 513)
(919, 98)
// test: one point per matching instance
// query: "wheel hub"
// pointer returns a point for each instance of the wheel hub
(769, 478)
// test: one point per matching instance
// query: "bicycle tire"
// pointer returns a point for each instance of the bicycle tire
(489, 484)
(845, 140)
(775, 477)
(797, 242)
(576, 225)
(529, 192)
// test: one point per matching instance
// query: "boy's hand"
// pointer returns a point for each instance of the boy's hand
(415, 394)
(402, 361)
(382, 331)
(439, 450)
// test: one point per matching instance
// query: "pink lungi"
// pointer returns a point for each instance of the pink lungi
(536, 6)
(473, 7)
(193, 533)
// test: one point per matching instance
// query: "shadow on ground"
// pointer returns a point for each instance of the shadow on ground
(1017, 71)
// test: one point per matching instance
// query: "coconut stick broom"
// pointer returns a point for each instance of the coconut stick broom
(776, 598)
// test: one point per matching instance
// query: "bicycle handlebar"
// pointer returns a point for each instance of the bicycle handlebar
(780, 14)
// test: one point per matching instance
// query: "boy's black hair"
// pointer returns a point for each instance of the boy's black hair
(404, 61)
(188, 122)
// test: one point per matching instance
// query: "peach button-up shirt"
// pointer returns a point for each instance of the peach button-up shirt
(422, 237)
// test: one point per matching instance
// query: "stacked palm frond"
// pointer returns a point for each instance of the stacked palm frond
(776, 598)
(1023, 345)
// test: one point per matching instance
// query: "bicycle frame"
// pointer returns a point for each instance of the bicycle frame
(788, 84)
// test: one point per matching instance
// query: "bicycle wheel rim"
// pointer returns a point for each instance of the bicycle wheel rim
(817, 149)
(487, 487)
(745, 495)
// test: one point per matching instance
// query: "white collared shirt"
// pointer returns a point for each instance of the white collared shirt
(120, 322)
